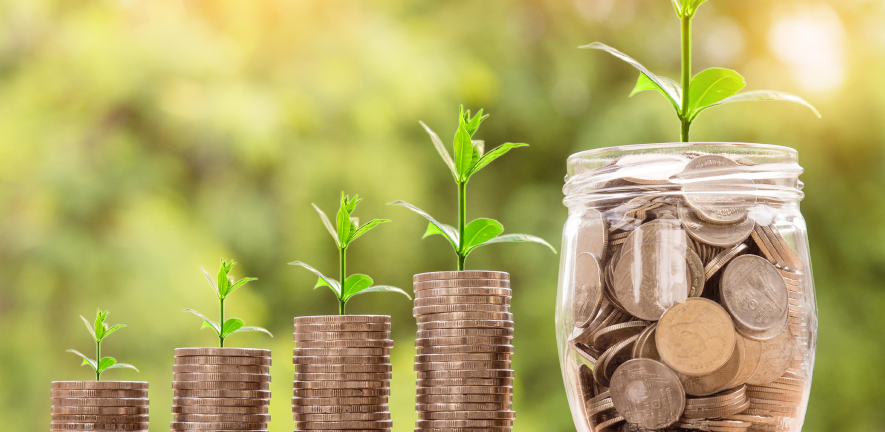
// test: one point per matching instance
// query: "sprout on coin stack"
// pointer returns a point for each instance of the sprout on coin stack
(222, 388)
(465, 327)
(342, 362)
(99, 405)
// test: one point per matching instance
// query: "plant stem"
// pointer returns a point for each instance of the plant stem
(97, 359)
(686, 77)
(462, 223)
(342, 262)
(221, 323)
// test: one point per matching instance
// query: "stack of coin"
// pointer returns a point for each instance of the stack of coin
(99, 405)
(221, 389)
(465, 331)
(342, 373)
(689, 304)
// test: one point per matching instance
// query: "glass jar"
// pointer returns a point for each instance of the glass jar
(686, 299)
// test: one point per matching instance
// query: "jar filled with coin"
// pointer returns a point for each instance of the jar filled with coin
(685, 296)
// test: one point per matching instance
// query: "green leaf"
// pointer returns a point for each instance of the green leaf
(206, 321)
(89, 327)
(240, 283)
(251, 329)
(473, 123)
(365, 228)
(441, 149)
(665, 86)
(644, 83)
(463, 152)
(113, 329)
(354, 284)
(449, 233)
(382, 288)
(480, 231)
(343, 221)
(105, 363)
(712, 86)
(518, 238)
(86, 360)
(761, 95)
(445, 230)
(211, 282)
(99, 324)
(329, 282)
(223, 280)
(122, 365)
(328, 224)
(495, 153)
(231, 325)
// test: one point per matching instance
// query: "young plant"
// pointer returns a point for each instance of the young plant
(469, 159)
(99, 331)
(707, 89)
(345, 230)
(224, 287)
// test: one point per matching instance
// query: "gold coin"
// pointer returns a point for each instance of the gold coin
(752, 357)
(718, 380)
(99, 385)
(695, 337)
(777, 354)
(224, 352)
(99, 402)
(463, 292)
(338, 319)
(219, 401)
(466, 274)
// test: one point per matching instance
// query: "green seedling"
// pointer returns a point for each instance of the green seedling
(223, 287)
(345, 230)
(708, 89)
(470, 157)
(99, 331)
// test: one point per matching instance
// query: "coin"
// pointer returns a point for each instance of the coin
(455, 284)
(339, 384)
(463, 292)
(464, 407)
(465, 332)
(223, 360)
(99, 401)
(214, 409)
(592, 234)
(647, 393)
(707, 197)
(345, 425)
(98, 427)
(384, 343)
(219, 401)
(588, 289)
(337, 319)
(466, 300)
(220, 385)
(445, 424)
(99, 410)
(645, 346)
(466, 398)
(720, 235)
(339, 409)
(340, 360)
(369, 400)
(434, 325)
(723, 411)
(188, 426)
(356, 392)
(335, 336)
(100, 385)
(197, 368)
(459, 316)
(752, 357)
(723, 258)
(99, 418)
(64, 394)
(695, 337)
(466, 415)
(227, 352)
(718, 380)
(724, 398)
(458, 365)
(612, 359)
(199, 393)
(650, 279)
(246, 377)
(777, 354)
(342, 327)
(464, 274)
(463, 356)
(343, 376)
(443, 309)
(348, 417)
(344, 368)
(319, 352)
(451, 382)
(755, 294)
(234, 418)
(463, 340)
(609, 336)
(464, 390)
(476, 373)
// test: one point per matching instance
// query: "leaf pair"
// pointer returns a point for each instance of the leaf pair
(100, 330)
(104, 364)
(687, 8)
(347, 228)
(709, 88)
(480, 232)
(229, 327)
(226, 284)
(469, 154)
(354, 285)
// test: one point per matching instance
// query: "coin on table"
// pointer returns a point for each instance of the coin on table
(650, 278)
(718, 380)
(588, 288)
(695, 337)
(464, 274)
(647, 393)
(720, 235)
(777, 355)
(755, 294)
(709, 197)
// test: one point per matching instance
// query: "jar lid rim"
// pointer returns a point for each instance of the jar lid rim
(682, 145)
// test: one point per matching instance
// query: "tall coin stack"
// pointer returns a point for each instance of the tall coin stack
(465, 331)
(342, 373)
(99, 405)
(221, 389)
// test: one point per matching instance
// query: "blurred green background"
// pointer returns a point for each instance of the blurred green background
(141, 139)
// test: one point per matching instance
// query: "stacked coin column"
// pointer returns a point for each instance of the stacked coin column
(221, 389)
(464, 347)
(342, 373)
(99, 405)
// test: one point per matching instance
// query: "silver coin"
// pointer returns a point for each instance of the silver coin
(755, 294)
(647, 393)
(588, 288)
(721, 235)
(711, 195)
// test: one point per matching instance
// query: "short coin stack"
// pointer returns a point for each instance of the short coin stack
(99, 405)
(342, 373)
(221, 389)
(465, 331)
